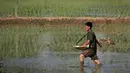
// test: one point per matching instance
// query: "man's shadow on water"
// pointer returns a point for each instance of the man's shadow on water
(97, 70)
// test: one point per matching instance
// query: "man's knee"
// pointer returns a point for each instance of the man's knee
(97, 62)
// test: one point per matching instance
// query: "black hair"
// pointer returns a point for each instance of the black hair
(89, 24)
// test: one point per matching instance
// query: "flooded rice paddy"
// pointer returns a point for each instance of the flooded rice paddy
(20, 48)
(68, 62)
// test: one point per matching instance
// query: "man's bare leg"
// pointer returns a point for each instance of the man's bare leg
(98, 69)
(82, 60)
(97, 62)
(82, 70)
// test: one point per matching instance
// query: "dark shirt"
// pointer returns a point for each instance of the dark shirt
(92, 37)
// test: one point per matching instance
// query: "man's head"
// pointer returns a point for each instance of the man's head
(88, 26)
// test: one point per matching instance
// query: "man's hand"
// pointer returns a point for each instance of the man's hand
(84, 45)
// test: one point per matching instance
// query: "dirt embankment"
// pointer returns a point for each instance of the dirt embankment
(63, 20)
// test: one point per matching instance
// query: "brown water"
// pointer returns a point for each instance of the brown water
(68, 62)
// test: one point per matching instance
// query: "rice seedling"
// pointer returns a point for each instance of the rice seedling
(28, 40)
(71, 8)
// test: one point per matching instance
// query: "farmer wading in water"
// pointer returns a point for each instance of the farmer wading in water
(92, 49)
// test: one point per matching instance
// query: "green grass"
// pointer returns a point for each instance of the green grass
(18, 42)
(26, 41)
(118, 33)
(71, 8)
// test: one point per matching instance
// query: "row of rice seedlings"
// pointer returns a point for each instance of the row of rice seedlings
(65, 11)
(118, 33)
(106, 10)
(28, 41)
(69, 10)
(18, 42)
(65, 38)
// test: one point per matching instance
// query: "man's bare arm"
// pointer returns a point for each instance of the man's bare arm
(98, 43)
(86, 43)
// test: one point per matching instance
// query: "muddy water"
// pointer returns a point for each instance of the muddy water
(68, 62)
